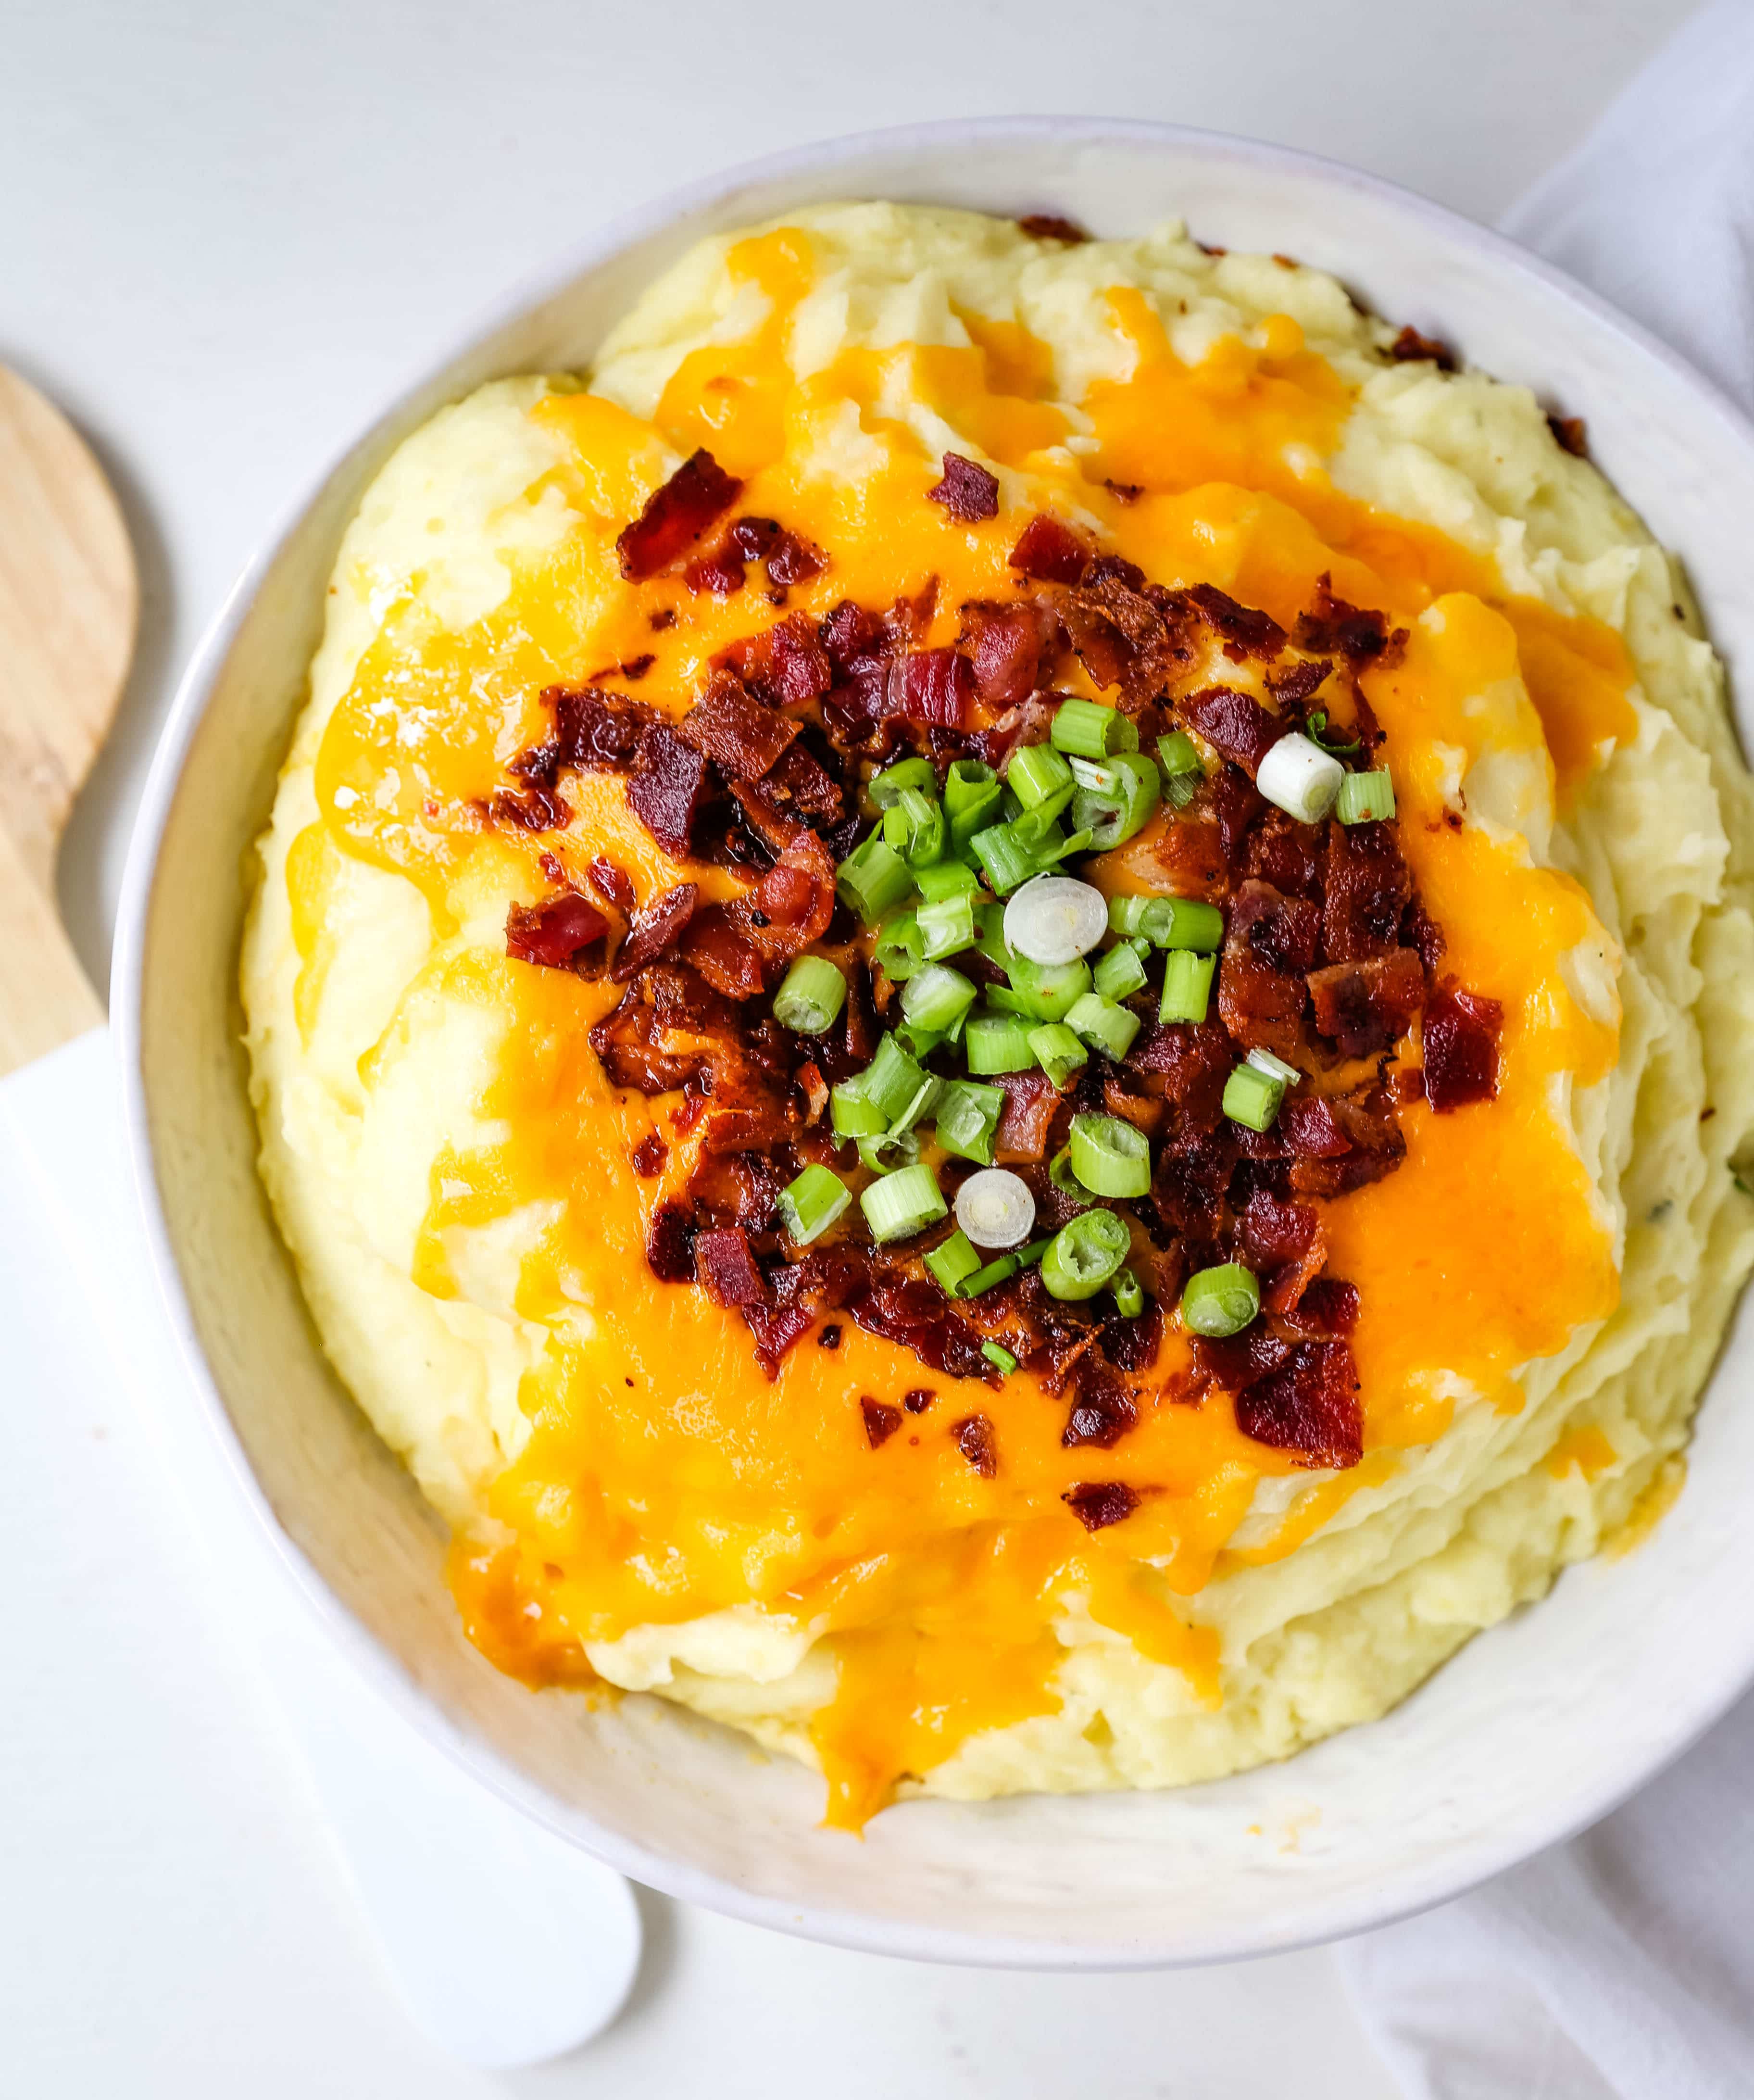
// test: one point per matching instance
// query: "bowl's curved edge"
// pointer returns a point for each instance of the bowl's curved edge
(1417, 1890)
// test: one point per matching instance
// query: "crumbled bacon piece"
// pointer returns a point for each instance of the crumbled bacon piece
(1294, 684)
(1461, 1040)
(1367, 886)
(1311, 1128)
(1049, 226)
(1097, 1504)
(800, 669)
(917, 1398)
(1309, 1405)
(1411, 347)
(1281, 851)
(1374, 1146)
(1244, 629)
(655, 929)
(670, 1244)
(1366, 1008)
(667, 788)
(1188, 1064)
(1049, 552)
(1007, 652)
(556, 933)
(753, 538)
(529, 809)
(1103, 1412)
(743, 738)
(881, 1420)
(814, 1088)
(793, 561)
(1101, 646)
(976, 1440)
(1333, 627)
(675, 516)
(669, 1028)
(597, 730)
(649, 1156)
(1327, 1311)
(612, 882)
(1030, 722)
(723, 953)
(967, 491)
(1286, 1247)
(1132, 1345)
(935, 686)
(1031, 1099)
(725, 1268)
(1235, 724)
(720, 575)
(848, 633)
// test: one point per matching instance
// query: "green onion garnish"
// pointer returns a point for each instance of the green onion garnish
(901, 947)
(1109, 1157)
(810, 996)
(1103, 1025)
(989, 922)
(1252, 1097)
(913, 826)
(968, 1115)
(1221, 1301)
(905, 1203)
(1049, 990)
(1315, 729)
(1178, 789)
(1129, 1295)
(1088, 729)
(1001, 1358)
(886, 786)
(936, 997)
(872, 879)
(946, 925)
(1036, 773)
(810, 1204)
(1057, 1051)
(1187, 986)
(996, 1208)
(1183, 922)
(853, 1112)
(1365, 798)
(1301, 778)
(1112, 815)
(997, 1043)
(947, 878)
(924, 1101)
(1007, 859)
(891, 1080)
(1275, 1068)
(1118, 974)
(953, 1261)
(1082, 1255)
(972, 797)
(919, 1042)
(1061, 1174)
(889, 1153)
(1176, 754)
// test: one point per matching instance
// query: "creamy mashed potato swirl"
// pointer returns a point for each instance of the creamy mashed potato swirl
(1545, 1282)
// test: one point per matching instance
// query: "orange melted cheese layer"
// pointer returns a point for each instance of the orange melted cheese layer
(663, 1477)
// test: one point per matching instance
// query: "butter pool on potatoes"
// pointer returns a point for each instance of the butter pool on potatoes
(1545, 1282)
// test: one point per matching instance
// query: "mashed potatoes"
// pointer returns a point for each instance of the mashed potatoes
(1543, 1283)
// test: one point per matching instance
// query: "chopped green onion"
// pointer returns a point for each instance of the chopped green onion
(947, 878)
(1103, 1025)
(953, 1261)
(1083, 1255)
(1127, 916)
(902, 1205)
(810, 1204)
(1365, 798)
(1109, 1157)
(937, 996)
(891, 1080)
(913, 826)
(872, 879)
(1007, 859)
(1119, 973)
(853, 1112)
(1112, 815)
(1315, 729)
(1178, 789)
(996, 1271)
(970, 785)
(1177, 755)
(1301, 778)
(966, 1117)
(810, 996)
(904, 1146)
(1035, 774)
(886, 786)
(1057, 1051)
(990, 920)
(1221, 1301)
(1088, 729)
(995, 1208)
(946, 926)
(1275, 1068)
(997, 1043)
(924, 1101)
(1061, 1174)
(920, 1042)
(1049, 990)
(1001, 1358)
(1251, 1096)
(1129, 1295)
(1184, 922)
(1055, 919)
(901, 947)
(1187, 986)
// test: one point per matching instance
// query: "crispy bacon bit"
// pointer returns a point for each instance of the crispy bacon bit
(1410, 347)
(555, 932)
(667, 788)
(814, 1088)
(1570, 435)
(1281, 851)
(881, 1421)
(636, 667)
(1049, 226)
(799, 669)
(670, 1245)
(600, 731)
(1007, 652)
(649, 1156)
(1309, 1405)
(912, 1312)
(1235, 724)
(1310, 1127)
(1365, 1007)
(1461, 1038)
(1244, 629)
(1031, 722)
(1101, 647)
(917, 1399)
(1367, 888)
(1189, 1066)
(1407, 1084)
(1375, 1146)
(1327, 1311)
(655, 929)
(753, 538)
(720, 575)
(1285, 1244)
(1335, 628)
(829, 1337)
(726, 1267)
(612, 882)
(1294, 684)
(1031, 1099)
(743, 738)
(793, 561)
(1132, 1345)
(1279, 931)
(848, 633)
(675, 516)
(1049, 552)
(975, 1440)
(1421, 932)
(723, 953)
(936, 687)
(1097, 1504)
(967, 491)
(1103, 1412)
(530, 810)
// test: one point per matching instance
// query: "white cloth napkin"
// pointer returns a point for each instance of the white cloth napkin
(1620, 1966)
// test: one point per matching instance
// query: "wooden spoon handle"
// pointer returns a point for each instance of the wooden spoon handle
(45, 998)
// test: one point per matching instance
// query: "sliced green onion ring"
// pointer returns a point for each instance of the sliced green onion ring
(913, 826)
(1221, 1301)
(1129, 1295)
(810, 996)
(1007, 859)
(946, 925)
(1119, 973)
(1365, 798)
(997, 1043)
(1047, 992)
(891, 1079)
(885, 788)
(1103, 1025)
(937, 996)
(1178, 755)
(1275, 1068)
(852, 1113)
(947, 878)
(901, 947)
(1086, 729)
(1252, 1097)
(1000, 1357)
(1112, 815)
(810, 1204)
(890, 1152)
(966, 1119)
(1109, 1157)
(1057, 1051)
(1084, 1254)
(872, 879)
(1187, 986)
(1035, 772)
(953, 1261)
(902, 1204)
(1055, 919)
(995, 1208)
(1301, 778)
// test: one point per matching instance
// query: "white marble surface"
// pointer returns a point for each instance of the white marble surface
(227, 231)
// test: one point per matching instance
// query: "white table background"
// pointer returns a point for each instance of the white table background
(227, 231)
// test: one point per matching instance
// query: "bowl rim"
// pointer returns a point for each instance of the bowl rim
(1421, 1886)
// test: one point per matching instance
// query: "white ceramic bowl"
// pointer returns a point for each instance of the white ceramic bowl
(1535, 1730)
